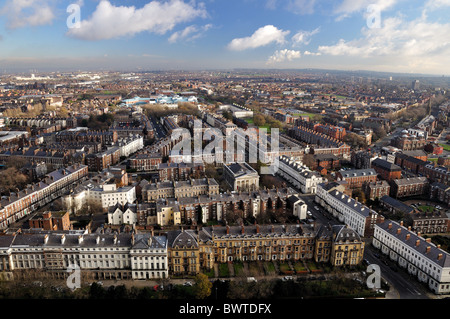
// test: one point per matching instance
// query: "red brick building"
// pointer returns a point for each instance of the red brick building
(388, 171)
(51, 221)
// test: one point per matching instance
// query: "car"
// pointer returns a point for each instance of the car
(309, 213)
(286, 278)
(187, 283)
(377, 255)
(316, 208)
(251, 279)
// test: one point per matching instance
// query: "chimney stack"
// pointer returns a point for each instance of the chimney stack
(401, 223)
(408, 236)
(390, 225)
(418, 234)
(428, 240)
(399, 230)
(228, 230)
(63, 239)
(439, 257)
(45, 239)
(417, 242)
(242, 230)
(428, 249)
(80, 239)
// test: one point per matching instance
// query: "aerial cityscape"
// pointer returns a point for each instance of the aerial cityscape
(175, 150)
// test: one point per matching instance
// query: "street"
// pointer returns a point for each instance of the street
(407, 287)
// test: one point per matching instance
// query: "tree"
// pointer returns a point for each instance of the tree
(202, 286)
(259, 120)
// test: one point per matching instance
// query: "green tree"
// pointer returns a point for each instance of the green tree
(202, 286)
(259, 120)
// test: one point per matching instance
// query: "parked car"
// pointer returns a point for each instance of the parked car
(251, 279)
(286, 278)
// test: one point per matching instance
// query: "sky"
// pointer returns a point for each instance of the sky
(405, 36)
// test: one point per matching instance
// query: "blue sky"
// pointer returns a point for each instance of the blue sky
(380, 35)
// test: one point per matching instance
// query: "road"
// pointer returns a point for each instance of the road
(407, 287)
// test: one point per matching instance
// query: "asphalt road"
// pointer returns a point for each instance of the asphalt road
(407, 286)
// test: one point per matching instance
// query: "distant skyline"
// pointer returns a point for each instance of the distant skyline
(396, 36)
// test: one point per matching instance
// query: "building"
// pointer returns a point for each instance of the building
(347, 246)
(326, 161)
(183, 252)
(109, 195)
(54, 185)
(421, 258)
(189, 188)
(180, 171)
(410, 163)
(441, 192)
(386, 170)
(362, 159)
(434, 222)
(241, 176)
(299, 175)
(145, 161)
(374, 190)
(348, 210)
(100, 256)
(100, 161)
(395, 206)
(357, 177)
(122, 214)
(51, 221)
(406, 187)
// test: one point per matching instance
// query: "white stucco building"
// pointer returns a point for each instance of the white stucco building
(421, 258)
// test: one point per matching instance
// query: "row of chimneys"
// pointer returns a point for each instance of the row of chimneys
(408, 236)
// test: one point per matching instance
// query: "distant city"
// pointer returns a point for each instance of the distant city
(93, 179)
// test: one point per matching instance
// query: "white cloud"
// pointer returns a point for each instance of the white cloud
(22, 13)
(284, 55)
(434, 4)
(399, 43)
(261, 37)
(110, 21)
(302, 7)
(303, 37)
(189, 33)
(312, 53)
(349, 7)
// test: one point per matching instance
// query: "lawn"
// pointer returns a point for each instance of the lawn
(249, 120)
(209, 273)
(238, 268)
(223, 270)
(311, 115)
(267, 126)
(425, 208)
(269, 268)
(312, 266)
(445, 146)
(298, 266)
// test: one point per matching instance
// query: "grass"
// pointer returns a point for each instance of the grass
(223, 270)
(310, 115)
(267, 126)
(298, 266)
(238, 268)
(425, 208)
(269, 268)
(209, 273)
(446, 147)
(284, 267)
(312, 266)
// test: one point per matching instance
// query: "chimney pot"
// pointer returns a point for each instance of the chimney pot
(417, 242)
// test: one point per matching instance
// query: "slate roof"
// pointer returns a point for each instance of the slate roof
(411, 242)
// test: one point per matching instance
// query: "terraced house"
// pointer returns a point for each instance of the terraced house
(421, 258)
(28, 200)
(102, 256)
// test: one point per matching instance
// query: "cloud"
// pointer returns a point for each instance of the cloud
(22, 13)
(312, 53)
(284, 55)
(110, 21)
(301, 7)
(348, 7)
(303, 37)
(261, 37)
(398, 43)
(189, 33)
(434, 4)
